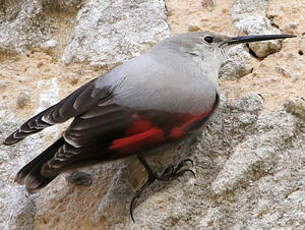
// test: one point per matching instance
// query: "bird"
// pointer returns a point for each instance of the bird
(152, 100)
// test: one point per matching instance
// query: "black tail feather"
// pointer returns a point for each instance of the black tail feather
(30, 174)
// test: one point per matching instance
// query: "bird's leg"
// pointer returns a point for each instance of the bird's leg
(170, 173)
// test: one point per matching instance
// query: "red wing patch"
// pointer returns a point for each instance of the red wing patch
(142, 134)
(136, 142)
(178, 132)
(139, 126)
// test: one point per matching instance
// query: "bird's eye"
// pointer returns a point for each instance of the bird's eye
(209, 39)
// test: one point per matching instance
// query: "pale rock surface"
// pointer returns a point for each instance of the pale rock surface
(23, 99)
(236, 63)
(19, 25)
(107, 32)
(302, 44)
(23, 24)
(17, 207)
(250, 18)
(296, 106)
(104, 32)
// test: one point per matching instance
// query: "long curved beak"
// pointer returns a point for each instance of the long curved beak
(256, 38)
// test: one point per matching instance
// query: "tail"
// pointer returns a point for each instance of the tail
(30, 174)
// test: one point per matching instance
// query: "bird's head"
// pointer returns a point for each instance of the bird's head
(208, 44)
(206, 49)
(209, 49)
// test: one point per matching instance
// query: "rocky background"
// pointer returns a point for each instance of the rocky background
(249, 159)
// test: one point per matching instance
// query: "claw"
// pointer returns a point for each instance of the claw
(187, 160)
(181, 165)
(132, 207)
(184, 171)
(133, 200)
(137, 194)
(171, 172)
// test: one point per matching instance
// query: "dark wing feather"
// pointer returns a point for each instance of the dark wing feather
(89, 136)
(110, 131)
(76, 103)
(30, 174)
(103, 123)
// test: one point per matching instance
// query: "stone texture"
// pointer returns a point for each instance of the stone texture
(23, 99)
(118, 30)
(27, 25)
(17, 207)
(250, 18)
(236, 64)
(296, 106)
(212, 15)
(19, 25)
(17, 210)
(302, 45)
(109, 32)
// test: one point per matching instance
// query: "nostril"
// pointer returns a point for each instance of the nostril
(301, 52)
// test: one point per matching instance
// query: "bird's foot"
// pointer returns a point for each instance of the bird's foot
(173, 172)
(170, 173)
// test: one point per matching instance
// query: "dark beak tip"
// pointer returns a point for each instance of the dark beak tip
(290, 35)
(258, 38)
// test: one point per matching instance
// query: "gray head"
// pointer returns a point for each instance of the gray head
(208, 43)
(208, 49)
